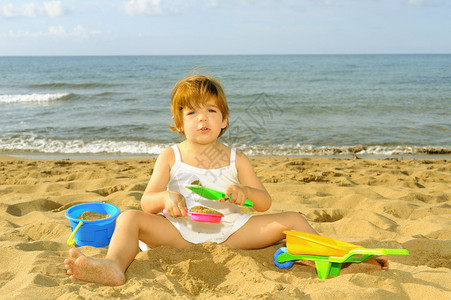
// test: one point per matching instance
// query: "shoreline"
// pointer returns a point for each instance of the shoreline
(96, 156)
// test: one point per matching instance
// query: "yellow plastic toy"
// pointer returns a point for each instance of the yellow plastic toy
(329, 254)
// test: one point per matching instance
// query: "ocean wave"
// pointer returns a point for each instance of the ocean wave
(310, 150)
(64, 85)
(105, 146)
(79, 146)
(22, 98)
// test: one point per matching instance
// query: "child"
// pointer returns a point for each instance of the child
(200, 113)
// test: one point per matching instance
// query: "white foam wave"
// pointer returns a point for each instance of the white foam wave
(79, 146)
(310, 150)
(32, 97)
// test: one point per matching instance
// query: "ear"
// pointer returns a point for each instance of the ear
(225, 121)
(178, 129)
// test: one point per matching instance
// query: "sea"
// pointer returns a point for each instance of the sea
(280, 105)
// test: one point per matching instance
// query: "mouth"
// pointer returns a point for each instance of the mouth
(204, 129)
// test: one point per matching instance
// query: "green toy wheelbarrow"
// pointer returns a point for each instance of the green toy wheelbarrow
(327, 253)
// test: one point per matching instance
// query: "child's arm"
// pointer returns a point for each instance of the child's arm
(250, 188)
(156, 197)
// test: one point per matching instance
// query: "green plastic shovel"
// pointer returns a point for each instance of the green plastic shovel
(213, 194)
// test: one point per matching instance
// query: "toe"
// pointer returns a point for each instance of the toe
(383, 261)
(74, 253)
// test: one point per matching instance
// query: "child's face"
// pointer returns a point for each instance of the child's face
(203, 124)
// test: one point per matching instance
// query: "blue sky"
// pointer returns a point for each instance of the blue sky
(177, 27)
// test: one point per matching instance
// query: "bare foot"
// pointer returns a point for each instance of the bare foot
(382, 261)
(377, 263)
(90, 269)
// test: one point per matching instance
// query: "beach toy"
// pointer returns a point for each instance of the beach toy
(307, 243)
(327, 253)
(202, 217)
(95, 233)
(213, 194)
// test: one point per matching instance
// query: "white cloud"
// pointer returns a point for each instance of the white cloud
(80, 31)
(143, 7)
(211, 3)
(7, 10)
(54, 8)
(23, 34)
(152, 7)
(57, 31)
(423, 2)
(54, 31)
(29, 10)
(32, 10)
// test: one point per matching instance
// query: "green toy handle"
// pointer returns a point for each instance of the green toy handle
(214, 195)
(247, 202)
(396, 251)
(71, 240)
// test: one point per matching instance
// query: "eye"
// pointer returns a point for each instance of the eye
(212, 110)
(190, 113)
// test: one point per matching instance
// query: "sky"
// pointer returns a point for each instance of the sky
(209, 27)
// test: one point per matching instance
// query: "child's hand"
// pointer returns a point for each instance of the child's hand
(175, 205)
(236, 194)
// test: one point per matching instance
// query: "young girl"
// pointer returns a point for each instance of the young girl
(200, 113)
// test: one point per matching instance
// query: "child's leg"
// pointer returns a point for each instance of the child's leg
(264, 230)
(131, 226)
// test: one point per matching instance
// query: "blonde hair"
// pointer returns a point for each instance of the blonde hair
(194, 91)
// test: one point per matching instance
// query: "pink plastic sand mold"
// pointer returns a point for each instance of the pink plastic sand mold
(202, 217)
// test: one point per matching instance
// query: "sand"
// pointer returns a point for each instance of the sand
(92, 216)
(391, 203)
(204, 210)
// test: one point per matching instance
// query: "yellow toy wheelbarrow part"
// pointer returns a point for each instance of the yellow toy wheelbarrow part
(307, 243)
(326, 252)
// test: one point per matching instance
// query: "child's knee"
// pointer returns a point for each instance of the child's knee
(294, 218)
(297, 221)
(128, 216)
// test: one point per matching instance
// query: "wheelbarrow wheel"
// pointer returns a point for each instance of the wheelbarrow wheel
(283, 265)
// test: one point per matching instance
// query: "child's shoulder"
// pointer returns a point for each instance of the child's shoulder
(241, 159)
(167, 152)
(240, 154)
(167, 156)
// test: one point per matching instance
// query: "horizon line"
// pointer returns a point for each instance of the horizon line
(257, 54)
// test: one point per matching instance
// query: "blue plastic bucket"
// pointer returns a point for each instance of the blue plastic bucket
(92, 233)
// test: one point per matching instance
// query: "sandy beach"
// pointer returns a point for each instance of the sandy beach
(376, 203)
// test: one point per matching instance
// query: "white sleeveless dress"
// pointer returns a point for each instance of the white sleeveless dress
(220, 179)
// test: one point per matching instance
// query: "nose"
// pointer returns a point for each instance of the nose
(202, 116)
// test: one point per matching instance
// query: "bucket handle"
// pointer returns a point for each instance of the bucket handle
(71, 240)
